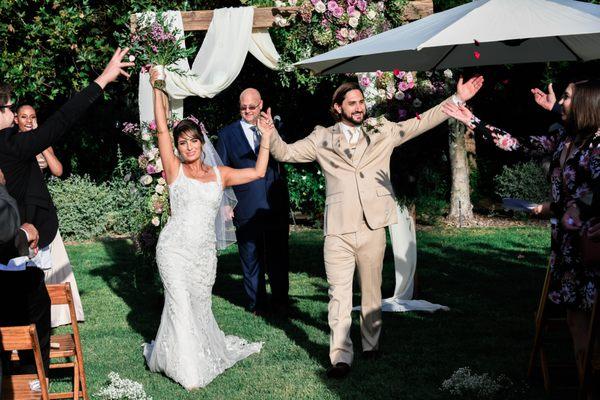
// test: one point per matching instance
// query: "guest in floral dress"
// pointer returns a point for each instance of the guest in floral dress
(575, 197)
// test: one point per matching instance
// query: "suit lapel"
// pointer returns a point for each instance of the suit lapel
(243, 144)
(340, 144)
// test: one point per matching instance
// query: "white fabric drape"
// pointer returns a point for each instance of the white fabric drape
(404, 245)
(219, 61)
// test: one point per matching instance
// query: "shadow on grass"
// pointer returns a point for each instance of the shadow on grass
(491, 284)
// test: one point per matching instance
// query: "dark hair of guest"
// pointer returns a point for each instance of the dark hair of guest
(584, 116)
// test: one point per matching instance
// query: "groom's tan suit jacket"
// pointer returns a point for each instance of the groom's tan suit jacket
(357, 184)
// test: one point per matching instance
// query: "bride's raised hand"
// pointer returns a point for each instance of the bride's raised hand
(265, 123)
(153, 76)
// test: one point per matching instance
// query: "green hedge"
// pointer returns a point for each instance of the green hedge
(526, 180)
(88, 210)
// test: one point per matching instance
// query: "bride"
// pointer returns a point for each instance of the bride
(189, 346)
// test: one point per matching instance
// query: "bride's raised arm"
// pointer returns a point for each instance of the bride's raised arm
(165, 147)
(232, 176)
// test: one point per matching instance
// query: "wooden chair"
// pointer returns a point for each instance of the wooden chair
(67, 346)
(16, 387)
(542, 324)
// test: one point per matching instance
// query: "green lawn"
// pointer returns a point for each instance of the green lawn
(490, 278)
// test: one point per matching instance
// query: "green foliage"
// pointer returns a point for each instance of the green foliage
(307, 189)
(525, 180)
(87, 209)
(432, 191)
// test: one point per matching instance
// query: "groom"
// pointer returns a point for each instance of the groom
(354, 155)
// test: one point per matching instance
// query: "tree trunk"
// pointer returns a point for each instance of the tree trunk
(461, 209)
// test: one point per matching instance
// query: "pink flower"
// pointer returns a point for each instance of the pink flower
(150, 169)
(314, 2)
(403, 86)
(378, 73)
(351, 11)
(152, 125)
(411, 84)
(351, 3)
(338, 12)
(362, 5)
(505, 142)
(192, 118)
(332, 5)
(399, 74)
(365, 81)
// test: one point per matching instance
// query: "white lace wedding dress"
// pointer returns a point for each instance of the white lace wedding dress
(189, 346)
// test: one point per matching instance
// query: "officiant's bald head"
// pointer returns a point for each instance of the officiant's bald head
(250, 105)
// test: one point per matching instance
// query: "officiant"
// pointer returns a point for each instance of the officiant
(261, 215)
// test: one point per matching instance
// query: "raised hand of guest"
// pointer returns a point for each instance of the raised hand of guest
(544, 100)
(115, 68)
(460, 113)
(466, 90)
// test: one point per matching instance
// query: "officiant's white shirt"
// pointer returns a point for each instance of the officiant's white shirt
(247, 128)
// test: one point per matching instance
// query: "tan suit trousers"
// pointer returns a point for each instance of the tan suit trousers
(342, 253)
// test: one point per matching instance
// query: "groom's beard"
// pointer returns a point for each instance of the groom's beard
(352, 119)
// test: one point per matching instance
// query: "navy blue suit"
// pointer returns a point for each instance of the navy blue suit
(261, 220)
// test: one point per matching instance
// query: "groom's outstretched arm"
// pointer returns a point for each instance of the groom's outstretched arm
(302, 151)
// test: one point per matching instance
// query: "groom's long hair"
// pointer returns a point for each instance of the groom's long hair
(339, 95)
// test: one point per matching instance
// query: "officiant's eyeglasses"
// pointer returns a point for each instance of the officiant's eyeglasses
(250, 107)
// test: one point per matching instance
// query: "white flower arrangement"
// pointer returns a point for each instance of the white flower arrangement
(122, 389)
(464, 384)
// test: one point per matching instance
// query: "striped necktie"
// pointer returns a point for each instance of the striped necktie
(257, 137)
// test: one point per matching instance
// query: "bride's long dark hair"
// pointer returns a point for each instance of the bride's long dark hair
(188, 127)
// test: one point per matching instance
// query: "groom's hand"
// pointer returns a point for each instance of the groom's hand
(114, 68)
(465, 91)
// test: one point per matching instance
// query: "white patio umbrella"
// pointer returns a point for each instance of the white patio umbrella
(483, 32)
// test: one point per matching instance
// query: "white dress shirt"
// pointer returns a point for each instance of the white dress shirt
(352, 133)
(248, 132)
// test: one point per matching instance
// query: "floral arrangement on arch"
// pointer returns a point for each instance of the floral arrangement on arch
(151, 176)
(322, 25)
(401, 95)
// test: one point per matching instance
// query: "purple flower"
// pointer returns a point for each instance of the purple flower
(150, 169)
(332, 5)
(362, 5)
(154, 48)
(351, 10)
(129, 127)
(351, 3)
(365, 81)
(314, 2)
(402, 113)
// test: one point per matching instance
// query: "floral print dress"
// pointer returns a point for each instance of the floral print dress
(576, 182)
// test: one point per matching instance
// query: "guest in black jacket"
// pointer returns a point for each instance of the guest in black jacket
(26, 289)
